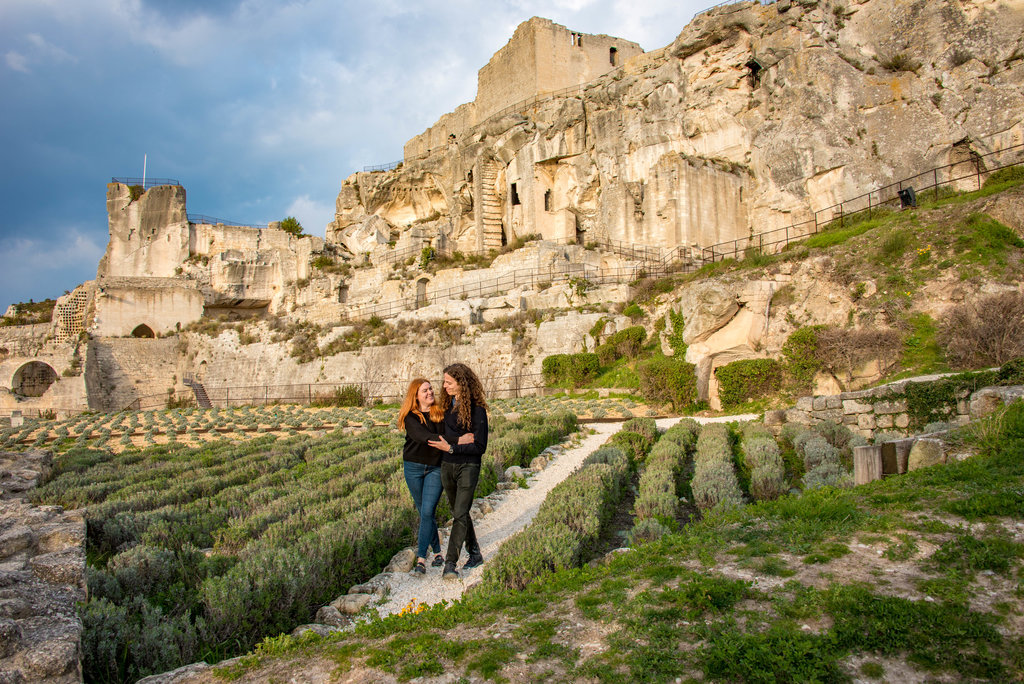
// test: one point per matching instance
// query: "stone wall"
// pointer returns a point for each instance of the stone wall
(162, 305)
(42, 578)
(121, 370)
(885, 408)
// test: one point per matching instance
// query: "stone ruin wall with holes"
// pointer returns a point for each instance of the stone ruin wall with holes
(752, 119)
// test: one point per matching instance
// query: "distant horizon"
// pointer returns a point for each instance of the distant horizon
(262, 126)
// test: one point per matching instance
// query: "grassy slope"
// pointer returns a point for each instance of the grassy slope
(910, 578)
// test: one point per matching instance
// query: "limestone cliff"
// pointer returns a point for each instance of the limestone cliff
(754, 118)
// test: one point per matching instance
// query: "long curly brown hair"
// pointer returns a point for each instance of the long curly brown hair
(471, 392)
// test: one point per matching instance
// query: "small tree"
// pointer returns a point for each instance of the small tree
(292, 226)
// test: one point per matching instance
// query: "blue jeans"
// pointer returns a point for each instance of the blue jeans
(424, 483)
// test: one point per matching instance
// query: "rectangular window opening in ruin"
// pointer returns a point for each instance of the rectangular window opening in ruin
(514, 194)
(547, 200)
(612, 55)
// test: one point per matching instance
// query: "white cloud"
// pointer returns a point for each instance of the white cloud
(17, 62)
(33, 268)
(314, 216)
(49, 50)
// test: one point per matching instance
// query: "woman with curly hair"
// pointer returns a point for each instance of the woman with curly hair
(463, 441)
(421, 419)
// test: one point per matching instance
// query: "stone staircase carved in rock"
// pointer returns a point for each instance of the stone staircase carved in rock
(490, 205)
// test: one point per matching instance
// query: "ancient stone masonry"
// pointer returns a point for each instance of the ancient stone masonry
(42, 578)
(885, 409)
(69, 314)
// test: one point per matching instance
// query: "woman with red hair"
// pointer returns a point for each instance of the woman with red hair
(422, 421)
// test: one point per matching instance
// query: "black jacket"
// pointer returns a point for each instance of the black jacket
(466, 453)
(417, 435)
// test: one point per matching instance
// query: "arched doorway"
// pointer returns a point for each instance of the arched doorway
(33, 379)
(143, 330)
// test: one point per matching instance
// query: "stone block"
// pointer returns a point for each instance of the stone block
(377, 585)
(538, 463)
(49, 659)
(833, 402)
(820, 403)
(902, 421)
(60, 567)
(883, 421)
(15, 539)
(10, 637)
(14, 608)
(852, 406)
(514, 473)
(331, 616)
(835, 415)
(889, 407)
(926, 452)
(850, 419)
(798, 417)
(805, 404)
(350, 604)
(866, 421)
(402, 561)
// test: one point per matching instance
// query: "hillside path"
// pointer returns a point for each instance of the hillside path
(510, 515)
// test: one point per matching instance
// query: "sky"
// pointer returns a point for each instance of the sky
(259, 108)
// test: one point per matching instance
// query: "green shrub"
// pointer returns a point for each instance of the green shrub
(624, 343)
(645, 426)
(668, 380)
(714, 482)
(801, 354)
(1010, 174)
(675, 336)
(575, 370)
(346, 395)
(291, 226)
(748, 379)
(632, 443)
(767, 472)
(633, 311)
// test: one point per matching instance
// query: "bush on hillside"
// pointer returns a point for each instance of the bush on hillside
(667, 380)
(575, 370)
(748, 379)
(625, 343)
(988, 331)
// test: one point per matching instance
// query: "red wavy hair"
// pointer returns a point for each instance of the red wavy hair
(411, 405)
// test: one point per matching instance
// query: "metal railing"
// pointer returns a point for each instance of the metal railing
(373, 391)
(973, 170)
(384, 167)
(146, 183)
(732, 2)
(213, 221)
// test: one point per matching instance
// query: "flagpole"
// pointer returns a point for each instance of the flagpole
(143, 171)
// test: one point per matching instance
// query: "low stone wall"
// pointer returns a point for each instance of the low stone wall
(885, 408)
(42, 578)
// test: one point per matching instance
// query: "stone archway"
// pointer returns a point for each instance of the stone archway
(143, 330)
(33, 379)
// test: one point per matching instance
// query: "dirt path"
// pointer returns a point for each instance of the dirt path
(511, 514)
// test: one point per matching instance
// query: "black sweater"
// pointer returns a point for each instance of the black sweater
(466, 453)
(417, 435)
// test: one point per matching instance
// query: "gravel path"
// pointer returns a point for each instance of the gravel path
(512, 513)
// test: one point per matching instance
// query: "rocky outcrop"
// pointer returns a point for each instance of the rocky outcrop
(754, 118)
(42, 578)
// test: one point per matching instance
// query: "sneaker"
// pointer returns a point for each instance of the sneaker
(419, 568)
(449, 572)
(475, 560)
(438, 561)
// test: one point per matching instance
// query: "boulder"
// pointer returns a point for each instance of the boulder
(332, 617)
(377, 585)
(926, 452)
(350, 604)
(402, 561)
(707, 307)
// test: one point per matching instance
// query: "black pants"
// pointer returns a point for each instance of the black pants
(459, 482)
